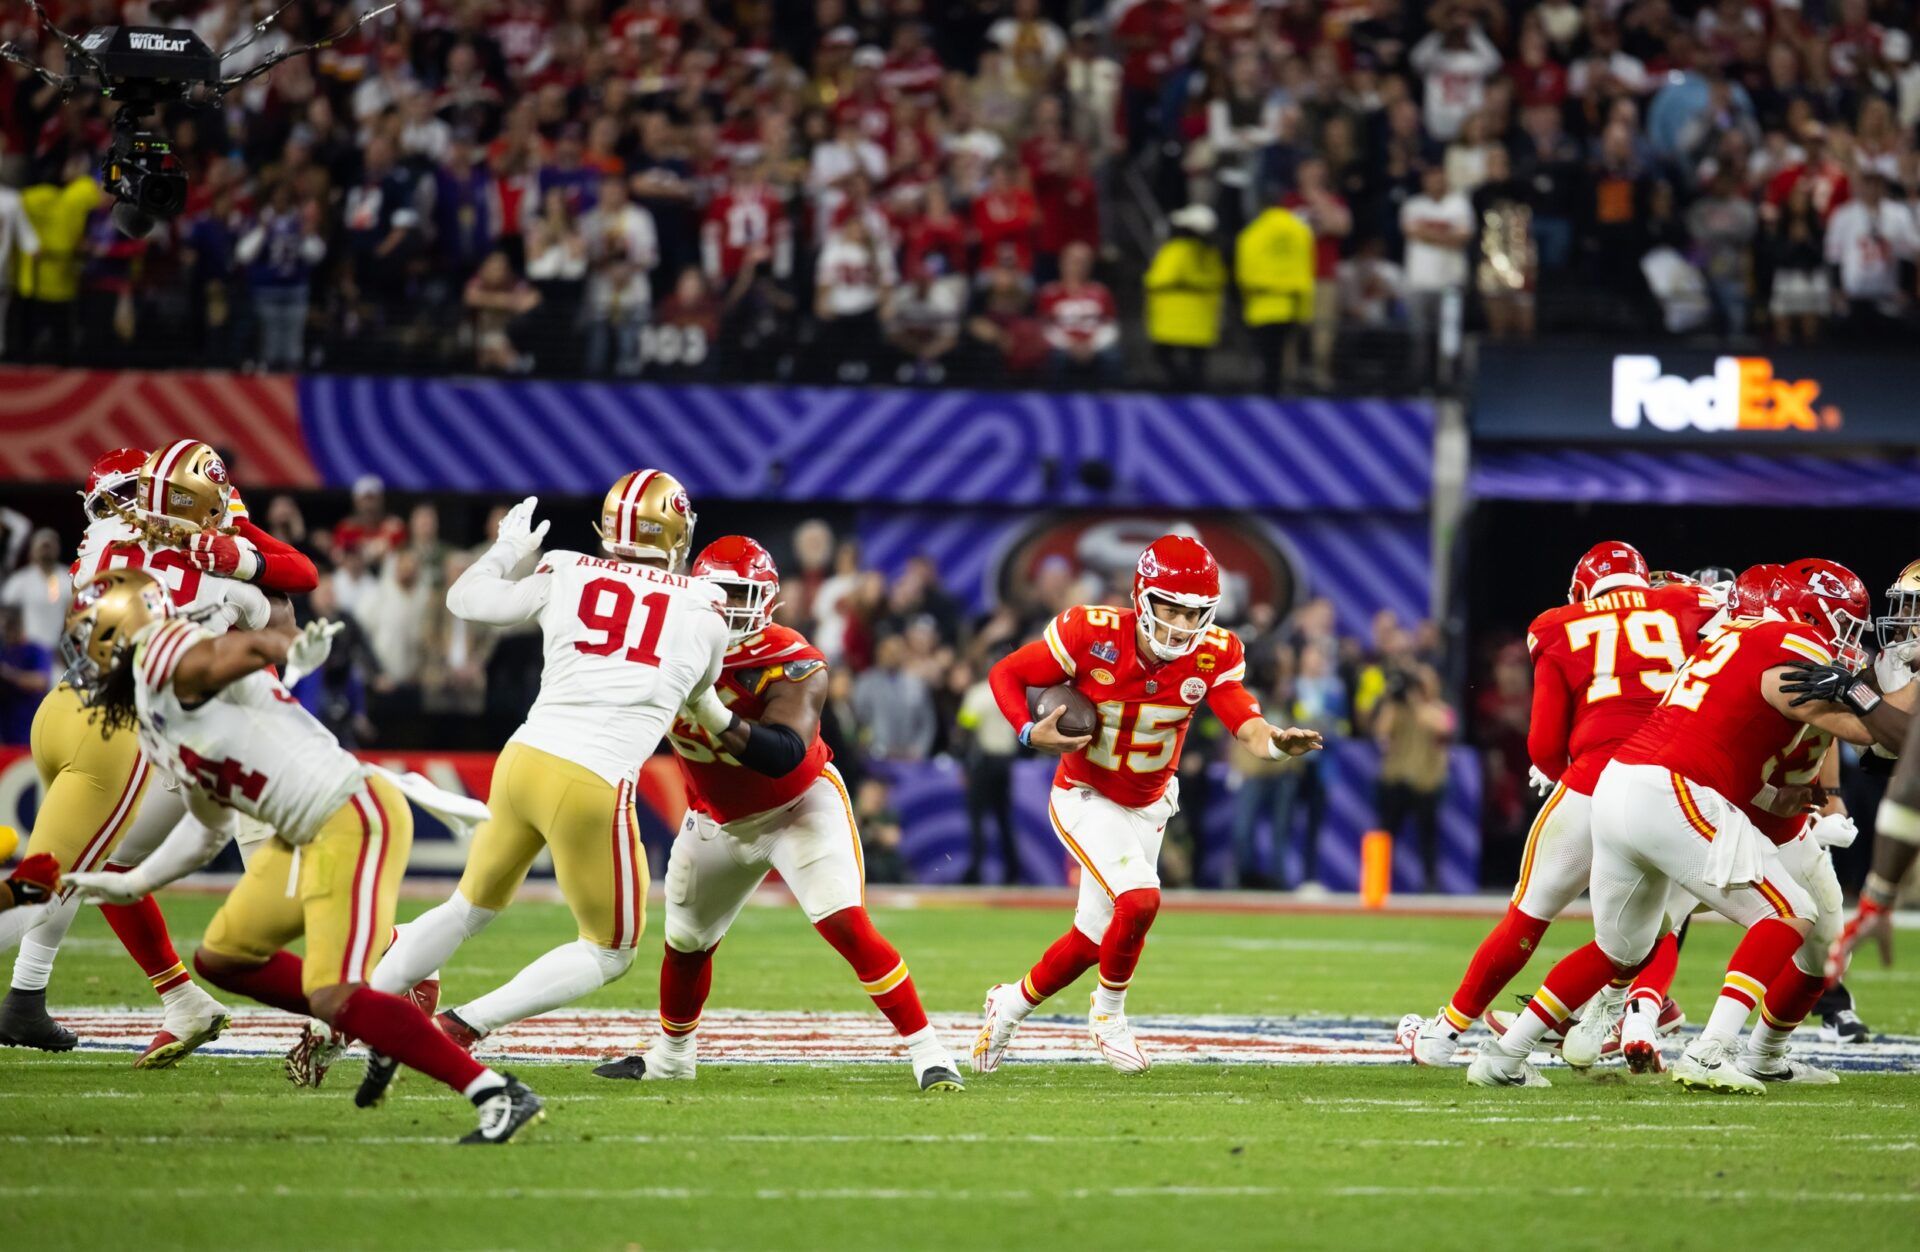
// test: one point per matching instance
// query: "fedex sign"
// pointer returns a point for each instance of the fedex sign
(1741, 394)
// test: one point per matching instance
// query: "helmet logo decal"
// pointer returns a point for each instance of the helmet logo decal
(216, 471)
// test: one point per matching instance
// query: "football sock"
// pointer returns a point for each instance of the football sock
(424, 944)
(396, 1028)
(142, 931)
(16, 922)
(277, 982)
(1758, 960)
(1071, 955)
(1502, 954)
(1133, 914)
(1575, 980)
(554, 979)
(877, 964)
(685, 980)
(1651, 986)
(1790, 997)
(33, 964)
(925, 1049)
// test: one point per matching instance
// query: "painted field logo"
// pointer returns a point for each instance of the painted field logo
(1741, 394)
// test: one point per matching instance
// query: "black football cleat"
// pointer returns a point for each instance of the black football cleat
(381, 1071)
(24, 1023)
(1844, 1026)
(634, 1067)
(941, 1078)
(504, 1110)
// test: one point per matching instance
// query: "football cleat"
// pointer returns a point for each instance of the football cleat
(661, 1062)
(454, 1027)
(1587, 1037)
(1113, 1039)
(1428, 1041)
(1871, 922)
(1780, 1067)
(997, 1028)
(196, 1020)
(24, 1024)
(381, 1071)
(313, 1054)
(1843, 1026)
(1494, 1066)
(1638, 1039)
(1709, 1065)
(1498, 1021)
(940, 1078)
(505, 1111)
(426, 994)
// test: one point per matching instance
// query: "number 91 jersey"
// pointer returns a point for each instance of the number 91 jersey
(1607, 661)
(1144, 709)
(252, 747)
(624, 646)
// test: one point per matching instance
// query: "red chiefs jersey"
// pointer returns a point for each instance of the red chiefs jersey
(717, 784)
(1714, 727)
(1145, 708)
(740, 219)
(1599, 668)
(1797, 766)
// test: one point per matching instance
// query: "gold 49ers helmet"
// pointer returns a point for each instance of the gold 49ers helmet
(646, 514)
(1901, 621)
(184, 487)
(108, 613)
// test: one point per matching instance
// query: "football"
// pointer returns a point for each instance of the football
(1080, 718)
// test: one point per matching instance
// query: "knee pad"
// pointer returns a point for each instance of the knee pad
(1135, 910)
(612, 962)
(1897, 822)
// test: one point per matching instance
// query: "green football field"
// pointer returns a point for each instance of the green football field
(223, 1153)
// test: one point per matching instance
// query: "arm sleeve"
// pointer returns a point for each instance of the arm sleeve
(1033, 665)
(1548, 731)
(1233, 704)
(193, 843)
(283, 567)
(484, 594)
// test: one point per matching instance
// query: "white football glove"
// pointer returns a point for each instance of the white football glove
(1833, 830)
(310, 649)
(1539, 781)
(709, 712)
(518, 532)
(102, 888)
(1893, 667)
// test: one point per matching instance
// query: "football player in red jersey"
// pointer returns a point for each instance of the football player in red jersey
(1600, 664)
(765, 795)
(1676, 809)
(1144, 668)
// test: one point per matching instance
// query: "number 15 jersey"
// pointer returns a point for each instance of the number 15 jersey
(624, 646)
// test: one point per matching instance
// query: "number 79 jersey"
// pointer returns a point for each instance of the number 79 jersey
(624, 646)
(1145, 709)
(252, 747)
(1599, 668)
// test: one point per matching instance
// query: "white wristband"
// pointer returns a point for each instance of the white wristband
(710, 712)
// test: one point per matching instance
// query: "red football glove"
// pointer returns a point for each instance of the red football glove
(35, 879)
(229, 556)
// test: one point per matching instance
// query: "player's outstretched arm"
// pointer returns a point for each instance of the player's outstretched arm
(283, 567)
(211, 665)
(484, 594)
(1239, 712)
(192, 843)
(1836, 699)
(776, 743)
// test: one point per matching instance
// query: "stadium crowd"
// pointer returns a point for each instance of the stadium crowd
(864, 189)
(908, 678)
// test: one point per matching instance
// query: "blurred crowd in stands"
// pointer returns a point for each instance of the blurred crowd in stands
(908, 664)
(924, 190)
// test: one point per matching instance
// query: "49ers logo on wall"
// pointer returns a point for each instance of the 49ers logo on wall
(1057, 550)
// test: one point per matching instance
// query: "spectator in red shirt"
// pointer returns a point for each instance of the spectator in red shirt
(935, 230)
(1006, 213)
(1080, 321)
(1149, 34)
(369, 531)
(912, 70)
(1537, 77)
(744, 217)
(1315, 202)
(1069, 204)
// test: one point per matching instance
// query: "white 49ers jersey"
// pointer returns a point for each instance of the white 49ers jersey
(252, 747)
(215, 602)
(625, 645)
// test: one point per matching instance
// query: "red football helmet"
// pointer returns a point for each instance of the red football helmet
(735, 561)
(1750, 588)
(1607, 566)
(114, 477)
(1175, 570)
(1829, 597)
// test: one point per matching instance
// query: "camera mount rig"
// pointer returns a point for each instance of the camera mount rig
(140, 68)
